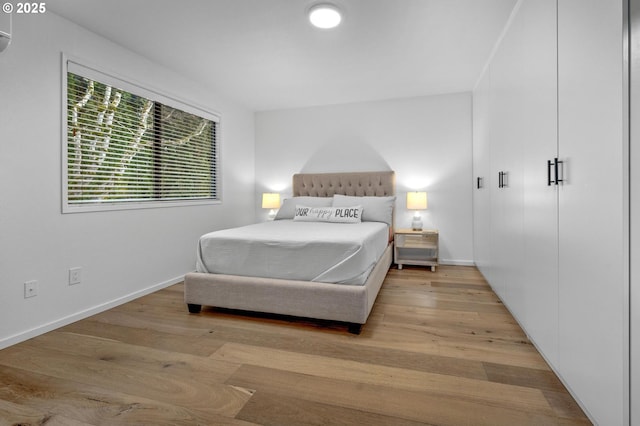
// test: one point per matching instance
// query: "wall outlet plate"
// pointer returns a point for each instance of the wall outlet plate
(75, 276)
(30, 289)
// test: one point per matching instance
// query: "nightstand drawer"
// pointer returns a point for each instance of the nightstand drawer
(427, 240)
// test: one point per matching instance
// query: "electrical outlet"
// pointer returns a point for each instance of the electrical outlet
(30, 289)
(75, 276)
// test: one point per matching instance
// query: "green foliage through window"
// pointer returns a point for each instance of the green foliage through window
(125, 148)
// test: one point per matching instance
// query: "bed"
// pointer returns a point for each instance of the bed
(234, 274)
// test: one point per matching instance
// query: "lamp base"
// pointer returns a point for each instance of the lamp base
(416, 224)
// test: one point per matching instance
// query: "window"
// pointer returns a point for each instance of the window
(128, 147)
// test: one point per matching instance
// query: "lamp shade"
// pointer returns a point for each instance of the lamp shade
(416, 200)
(270, 200)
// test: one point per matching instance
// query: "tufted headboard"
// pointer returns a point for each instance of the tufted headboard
(377, 184)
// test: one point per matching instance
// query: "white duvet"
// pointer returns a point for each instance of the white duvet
(342, 253)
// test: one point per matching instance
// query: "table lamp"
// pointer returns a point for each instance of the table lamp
(416, 201)
(271, 200)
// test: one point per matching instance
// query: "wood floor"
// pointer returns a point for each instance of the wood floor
(439, 348)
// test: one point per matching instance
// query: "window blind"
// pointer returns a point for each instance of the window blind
(125, 146)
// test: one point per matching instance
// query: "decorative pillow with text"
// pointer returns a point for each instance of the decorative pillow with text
(351, 214)
(288, 208)
(376, 209)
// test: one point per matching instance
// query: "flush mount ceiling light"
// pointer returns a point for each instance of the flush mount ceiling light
(325, 16)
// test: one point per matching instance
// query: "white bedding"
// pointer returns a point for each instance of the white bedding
(342, 253)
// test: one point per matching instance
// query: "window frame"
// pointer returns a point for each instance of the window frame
(99, 74)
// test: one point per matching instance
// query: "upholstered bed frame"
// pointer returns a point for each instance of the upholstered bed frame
(345, 303)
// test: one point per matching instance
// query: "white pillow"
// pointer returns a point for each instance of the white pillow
(288, 208)
(375, 209)
(351, 214)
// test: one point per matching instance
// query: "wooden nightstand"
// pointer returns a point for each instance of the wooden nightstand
(416, 248)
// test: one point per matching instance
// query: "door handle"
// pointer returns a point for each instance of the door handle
(558, 168)
(503, 180)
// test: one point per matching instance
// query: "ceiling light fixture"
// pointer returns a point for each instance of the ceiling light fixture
(325, 16)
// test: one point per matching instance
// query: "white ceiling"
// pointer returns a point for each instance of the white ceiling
(265, 55)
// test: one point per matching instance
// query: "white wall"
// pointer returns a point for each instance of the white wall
(425, 140)
(122, 253)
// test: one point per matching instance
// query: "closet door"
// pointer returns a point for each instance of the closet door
(593, 234)
(481, 173)
(506, 167)
(520, 88)
(540, 210)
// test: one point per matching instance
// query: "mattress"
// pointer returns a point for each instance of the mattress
(341, 253)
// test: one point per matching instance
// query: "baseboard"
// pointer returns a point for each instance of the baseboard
(21, 337)
(454, 262)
